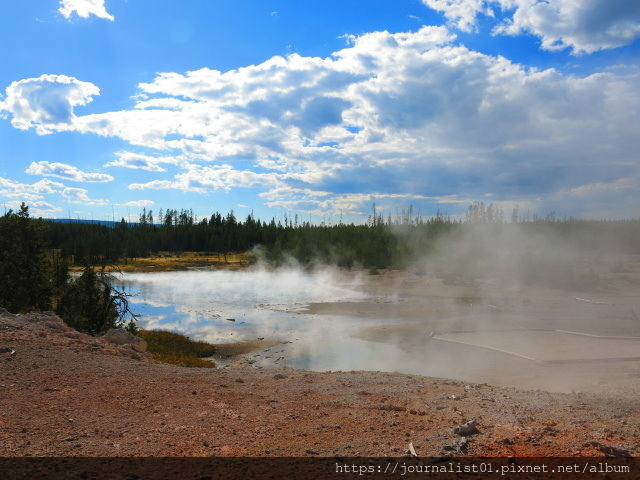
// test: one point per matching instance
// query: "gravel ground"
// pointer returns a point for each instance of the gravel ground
(67, 394)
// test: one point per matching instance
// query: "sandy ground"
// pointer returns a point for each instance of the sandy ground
(67, 394)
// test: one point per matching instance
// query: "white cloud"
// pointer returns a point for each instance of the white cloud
(585, 26)
(36, 208)
(66, 172)
(321, 203)
(80, 195)
(138, 203)
(28, 192)
(409, 116)
(599, 187)
(462, 13)
(84, 9)
(34, 194)
(142, 162)
(46, 103)
(203, 179)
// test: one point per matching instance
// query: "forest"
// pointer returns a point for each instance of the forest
(379, 242)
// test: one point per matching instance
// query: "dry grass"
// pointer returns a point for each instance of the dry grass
(168, 262)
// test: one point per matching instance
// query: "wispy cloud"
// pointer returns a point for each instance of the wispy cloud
(80, 195)
(26, 191)
(203, 179)
(37, 208)
(66, 172)
(138, 203)
(142, 162)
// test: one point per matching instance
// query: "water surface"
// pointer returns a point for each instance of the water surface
(225, 306)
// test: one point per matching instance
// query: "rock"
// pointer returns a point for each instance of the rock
(463, 445)
(467, 428)
(7, 351)
(609, 450)
(131, 353)
(120, 336)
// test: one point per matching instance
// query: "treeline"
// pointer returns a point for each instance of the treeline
(374, 244)
(378, 243)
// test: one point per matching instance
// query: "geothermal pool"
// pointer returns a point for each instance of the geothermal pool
(527, 338)
(227, 306)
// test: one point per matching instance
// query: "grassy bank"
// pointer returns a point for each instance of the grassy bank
(169, 262)
(177, 349)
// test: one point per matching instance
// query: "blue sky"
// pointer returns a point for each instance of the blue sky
(320, 108)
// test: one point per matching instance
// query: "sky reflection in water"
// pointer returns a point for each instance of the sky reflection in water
(262, 304)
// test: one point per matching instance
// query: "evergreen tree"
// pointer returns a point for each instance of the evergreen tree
(89, 304)
(25, 273)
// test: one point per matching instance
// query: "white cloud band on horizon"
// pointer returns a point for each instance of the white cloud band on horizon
(139, 203)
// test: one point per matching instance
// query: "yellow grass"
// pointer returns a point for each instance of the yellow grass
(168, 262)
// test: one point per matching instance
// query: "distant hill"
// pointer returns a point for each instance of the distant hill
(107, 223)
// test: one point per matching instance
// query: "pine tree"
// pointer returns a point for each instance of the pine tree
(25, 273)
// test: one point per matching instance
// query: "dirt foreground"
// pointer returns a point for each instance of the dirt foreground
(67, 394)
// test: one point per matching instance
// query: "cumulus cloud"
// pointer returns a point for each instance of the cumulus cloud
(392, 118)
(80, 195)
(66, 172)
(84, 9)
(46, 103)
(583, 26)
